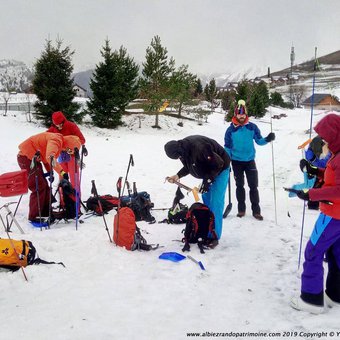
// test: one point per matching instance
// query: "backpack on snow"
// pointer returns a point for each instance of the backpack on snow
(178, 214)
(200, 228)
(140, 203)
(67, 208)
(126, 233)
(15, 254)
(108, 202)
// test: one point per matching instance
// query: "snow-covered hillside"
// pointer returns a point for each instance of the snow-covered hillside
(14, 75)
(106, 292)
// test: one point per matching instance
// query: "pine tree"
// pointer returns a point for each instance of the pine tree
(243, 90)
(227, 98)
(181, 86)
(257, 106)
(114, 85)
(157, 70)
(53, 85)
(210, 92)
(199, 88)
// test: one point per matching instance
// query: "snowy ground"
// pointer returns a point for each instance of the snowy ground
(106, 292)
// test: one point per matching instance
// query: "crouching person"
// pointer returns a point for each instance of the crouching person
(43, 148)
(205, 159)
(325, 238)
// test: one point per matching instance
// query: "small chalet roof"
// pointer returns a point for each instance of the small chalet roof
(77, 85)
(318, 97)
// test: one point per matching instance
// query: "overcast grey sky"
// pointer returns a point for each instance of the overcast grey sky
(209, 35)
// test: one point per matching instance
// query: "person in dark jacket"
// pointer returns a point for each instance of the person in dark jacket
(205, 159)
(239, 144)
(68, 128)
(325, 238)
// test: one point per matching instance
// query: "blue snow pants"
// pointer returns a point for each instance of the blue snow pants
(325, 240)
(214, 199)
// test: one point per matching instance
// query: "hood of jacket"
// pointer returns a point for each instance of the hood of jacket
(328, 128)
(58, 118)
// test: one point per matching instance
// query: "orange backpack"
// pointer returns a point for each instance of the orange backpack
(16, 254)
(126, 233)
(19, 253)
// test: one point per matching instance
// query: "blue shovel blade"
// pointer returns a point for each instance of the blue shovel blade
(172, 256)
(38, 224)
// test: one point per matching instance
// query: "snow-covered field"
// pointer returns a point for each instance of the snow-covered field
(106, 292)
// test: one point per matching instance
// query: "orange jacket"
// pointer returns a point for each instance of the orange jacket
(49, 144)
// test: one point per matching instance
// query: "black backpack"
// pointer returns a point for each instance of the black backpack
(200, 228)
(108, 202)
(178, 214)
(67, 208)
(141, 204)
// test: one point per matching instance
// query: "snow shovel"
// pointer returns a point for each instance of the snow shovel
(230, 205)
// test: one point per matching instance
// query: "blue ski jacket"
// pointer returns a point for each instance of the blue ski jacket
(239, 141)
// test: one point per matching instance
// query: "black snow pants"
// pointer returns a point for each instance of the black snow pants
(249, 168)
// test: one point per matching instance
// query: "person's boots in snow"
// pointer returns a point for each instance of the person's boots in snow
(297, 303)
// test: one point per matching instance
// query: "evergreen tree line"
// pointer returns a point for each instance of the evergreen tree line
(116, 81)
(256, 96)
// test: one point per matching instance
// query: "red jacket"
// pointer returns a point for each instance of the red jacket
(329, 130)
(69, 128)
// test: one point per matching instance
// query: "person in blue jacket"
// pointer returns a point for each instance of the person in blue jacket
(315, 156)
(239, 144)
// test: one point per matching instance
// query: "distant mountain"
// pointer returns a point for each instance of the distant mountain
(14, 75)
(222, 79)
(83, 79)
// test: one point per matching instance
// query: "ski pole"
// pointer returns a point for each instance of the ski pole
(131, 163)
(76, 187)
(15, 251)
(119, 188)
(50, 196)
(38, 198)
(95, 193)
(273, 167)
(310, 136)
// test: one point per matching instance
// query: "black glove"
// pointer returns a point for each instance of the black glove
(205, 186)
(303, 194)
(270, 137)
(305, 166)
(51, 178)
(84, 151)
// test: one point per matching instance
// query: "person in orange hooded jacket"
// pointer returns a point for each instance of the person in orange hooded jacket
(67, 128)
(43, 148)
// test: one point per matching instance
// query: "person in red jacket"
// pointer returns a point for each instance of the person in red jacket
(325, 238)
(43, 148)
(67, 128)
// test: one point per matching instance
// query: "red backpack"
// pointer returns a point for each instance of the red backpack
(126, 233)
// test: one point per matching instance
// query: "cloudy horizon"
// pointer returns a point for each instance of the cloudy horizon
(209, 36)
